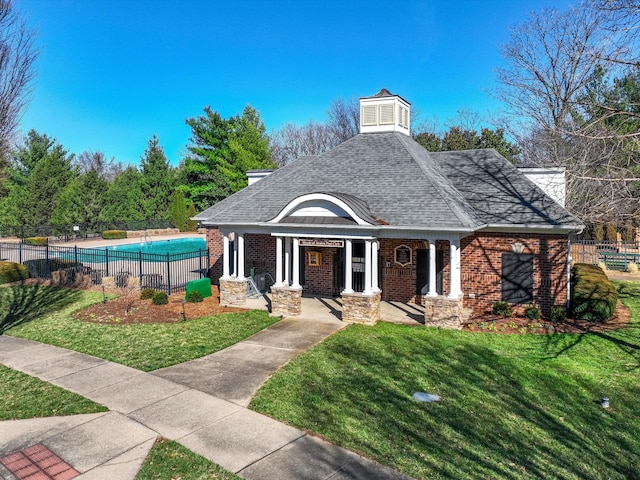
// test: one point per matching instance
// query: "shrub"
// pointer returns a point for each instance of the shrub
(532, 312)
(42, 268)
(36, 241)
(160, 298)
(611, 232)
(12, 272)
(194, 296)
(558, 313)
(147, 293)
(602, 266)
(632, 267)
(502, 309)
(594, 296)
(114, 234)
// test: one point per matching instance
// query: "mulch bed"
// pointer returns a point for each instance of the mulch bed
(489, 323)
(124, 310)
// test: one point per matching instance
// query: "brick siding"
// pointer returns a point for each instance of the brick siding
(481, 268)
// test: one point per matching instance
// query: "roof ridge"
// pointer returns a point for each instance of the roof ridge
(457, 200)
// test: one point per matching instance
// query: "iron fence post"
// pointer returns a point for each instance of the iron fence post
(168, 275)
(106, 257)
(140, 266)
(75, 255)
(200, 262)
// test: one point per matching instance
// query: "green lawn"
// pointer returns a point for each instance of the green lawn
(170, 460)
(513, 406)
(44, 314)
(24, 396)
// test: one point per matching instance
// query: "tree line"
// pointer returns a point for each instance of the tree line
(570, 87)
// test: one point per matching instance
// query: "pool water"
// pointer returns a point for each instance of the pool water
(162, 247)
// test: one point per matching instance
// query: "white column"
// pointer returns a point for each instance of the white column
(234, 273)
(225, 257)
(296, 264)
(287, 260)
(374, 267)
(279, 282)
(348, 267)
(240, 260)
(367, 268)
(454, 268)
(432, 269)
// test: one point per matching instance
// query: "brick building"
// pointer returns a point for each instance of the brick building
(380, 218)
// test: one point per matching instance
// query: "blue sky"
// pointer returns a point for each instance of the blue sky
(111, 73)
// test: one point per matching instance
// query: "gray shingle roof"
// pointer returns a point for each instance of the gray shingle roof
(401, 185)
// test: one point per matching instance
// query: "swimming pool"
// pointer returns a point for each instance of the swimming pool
(156, 251)
(161, 247)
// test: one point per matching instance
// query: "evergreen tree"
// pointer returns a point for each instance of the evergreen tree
(122, 200)
(221, 152)
(158, 181)
(39, 172)
(179, 211)
(192, 225)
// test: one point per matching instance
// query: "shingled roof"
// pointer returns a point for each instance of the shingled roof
(400, 185)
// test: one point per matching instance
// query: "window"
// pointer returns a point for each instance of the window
(314, 259)
(517, 277)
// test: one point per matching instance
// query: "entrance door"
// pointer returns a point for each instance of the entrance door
(422, 271)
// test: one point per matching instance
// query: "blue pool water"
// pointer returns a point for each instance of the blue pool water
(162, 247)
(179, 249)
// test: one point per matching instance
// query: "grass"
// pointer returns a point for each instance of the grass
(24, 396)
(513, 406)
(170, 460)
(44, 314)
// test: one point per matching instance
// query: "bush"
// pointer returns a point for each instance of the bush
(594, 296)
(502, 309)
(194, 296)
(147, 293)
(632, 267)
(558, 313)
(42, 268)
(36, 241)
(12, 272)
(160, 298)
(114, 234)
(532, 312)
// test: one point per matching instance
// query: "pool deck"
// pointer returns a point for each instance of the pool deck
(93, 243)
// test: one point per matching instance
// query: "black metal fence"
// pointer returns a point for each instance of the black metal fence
(615, 255)
(79, 230)
(167, 272)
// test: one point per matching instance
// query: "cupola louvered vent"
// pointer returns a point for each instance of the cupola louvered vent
(369, 115)
(384, 112)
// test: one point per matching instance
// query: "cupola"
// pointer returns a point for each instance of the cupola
(384, 112)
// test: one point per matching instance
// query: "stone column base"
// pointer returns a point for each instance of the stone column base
(443, 312)
(233, 292)
(359, 308)
(286, 301)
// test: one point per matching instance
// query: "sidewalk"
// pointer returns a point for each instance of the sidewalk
(144, 405)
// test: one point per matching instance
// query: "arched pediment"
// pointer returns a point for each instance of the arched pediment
(326, 208)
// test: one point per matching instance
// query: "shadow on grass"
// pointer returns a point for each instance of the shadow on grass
(626, 338)
(498, 418)
(21, 303)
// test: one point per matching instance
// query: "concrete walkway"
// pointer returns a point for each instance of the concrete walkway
(199, 404)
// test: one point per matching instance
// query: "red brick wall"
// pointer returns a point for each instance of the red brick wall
(398, 283)
(319, 280)
(481, 268)
(215, 246)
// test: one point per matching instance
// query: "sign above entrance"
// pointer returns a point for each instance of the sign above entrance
(320, 242)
